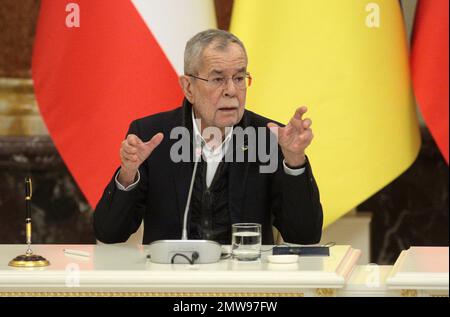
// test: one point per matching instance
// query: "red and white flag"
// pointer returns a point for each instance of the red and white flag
(429, 62)
(97, 65)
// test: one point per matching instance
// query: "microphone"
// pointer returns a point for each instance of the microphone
(185, 250)
(198, 153)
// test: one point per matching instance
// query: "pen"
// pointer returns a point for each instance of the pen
(76, 252)
(28, 194)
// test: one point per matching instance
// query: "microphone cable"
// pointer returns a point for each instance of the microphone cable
(194, 257)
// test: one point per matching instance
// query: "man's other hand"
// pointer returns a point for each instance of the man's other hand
(294, 138)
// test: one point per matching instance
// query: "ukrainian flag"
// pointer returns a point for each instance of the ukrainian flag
(347, 61)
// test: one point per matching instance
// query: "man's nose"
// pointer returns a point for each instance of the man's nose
(229, 89)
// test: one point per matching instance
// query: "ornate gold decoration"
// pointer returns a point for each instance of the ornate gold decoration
(326, 292)
(408, 293)
(29, 260)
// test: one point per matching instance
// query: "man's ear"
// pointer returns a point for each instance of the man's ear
(186, 85)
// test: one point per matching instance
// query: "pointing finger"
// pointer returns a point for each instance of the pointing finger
(300, 112)
(295, 122)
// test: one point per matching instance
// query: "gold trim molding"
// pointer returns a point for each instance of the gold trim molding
(326, 292)
(408, 293)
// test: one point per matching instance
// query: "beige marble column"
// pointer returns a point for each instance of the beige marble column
(19, 114)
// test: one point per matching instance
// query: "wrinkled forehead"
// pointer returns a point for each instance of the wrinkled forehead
(219, 58)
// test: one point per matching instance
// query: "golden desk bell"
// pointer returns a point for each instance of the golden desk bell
(28, 260)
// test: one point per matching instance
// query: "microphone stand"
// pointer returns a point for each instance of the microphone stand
(198, 154)
(28, 259)
(185, 250)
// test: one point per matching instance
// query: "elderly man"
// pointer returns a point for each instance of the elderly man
(151, 186)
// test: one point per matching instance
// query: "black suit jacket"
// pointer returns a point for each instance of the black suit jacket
(290, 203)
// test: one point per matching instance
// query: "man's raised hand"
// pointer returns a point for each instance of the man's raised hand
(133, 152)
(294, 138)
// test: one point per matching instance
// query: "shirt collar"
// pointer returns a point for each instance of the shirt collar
(199, 138)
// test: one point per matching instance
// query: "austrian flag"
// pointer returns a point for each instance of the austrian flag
(97, 65)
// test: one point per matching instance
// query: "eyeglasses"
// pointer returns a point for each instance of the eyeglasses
(240, 81)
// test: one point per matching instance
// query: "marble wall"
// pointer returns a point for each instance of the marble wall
(59, 211)
(412, 210)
